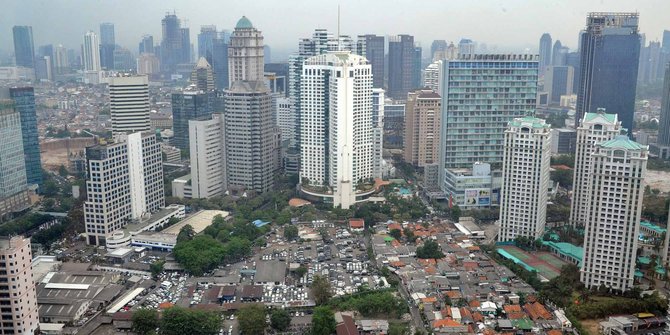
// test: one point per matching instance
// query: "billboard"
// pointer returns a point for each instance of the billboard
(478, 197)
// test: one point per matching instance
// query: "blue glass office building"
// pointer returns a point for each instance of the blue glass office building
(609, 56)
(24, 102)
(186, 106)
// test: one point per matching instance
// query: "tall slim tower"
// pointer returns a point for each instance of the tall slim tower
(402, 54)
(615, 191)
(171, 44)
(129, 103)
(336, 140)
(208, 157)
(20, 314)
(372, 48)
(24, 48)
(249, 121)
(594, 128)
(245, 53)
(610, 51)
(423, 118)
(466, 47)
(545, 52)
(203, 75)
(107, 45)
(664, 124)
(91, 52)
(24, 103)
(523, 197)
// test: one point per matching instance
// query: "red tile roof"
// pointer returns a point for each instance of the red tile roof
(537, 311)
(356, 223)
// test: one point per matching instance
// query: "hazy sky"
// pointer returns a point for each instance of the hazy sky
(507, 24)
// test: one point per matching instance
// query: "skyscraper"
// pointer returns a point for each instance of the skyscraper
(610, 52)
(474, 117)
(13, 183)
(24, 104)
(416, 68)
(203, 75)
(372, 48)
(245, 53)
(249, 129)
(432, 76)
(129, 103)
(402, 66)
(20, 298)
(220, 62)
(558, 81)
(378, 97)
(91, 52)
(185, 49)
(147, 44)
(666, 42)
(525, 174)
(190, 104)
(664, 122)
(206, 39)
(107, 45)
(208, 157)
(545, 52)
(336, 138)
(558, 54)
(466, 47)
(171, 44)
(24, 48)
(124, 182)
(614, 205)
(423, 118)
(61, 61)
(249, 121)
(594, 128)
(437, 49)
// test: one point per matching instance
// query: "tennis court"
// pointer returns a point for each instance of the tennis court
(546, 264)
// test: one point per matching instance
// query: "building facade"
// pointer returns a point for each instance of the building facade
(24, 47)
(378, 101)
(372, 48)
(24, 103)
(124, 182)
(594, 128)
(13, 182)
(402, 60)
(129, 103)
(475, 116)
(208, 152)
(189, 104)
(525, 179)
(19, 300)
(91, 52)
(423, 119)
(203, 75)
(545, 52)
(107, 45)
(558, 81)
(336, 127)
(664, 122)
(610, 51)
(245, 53)
(615, 191)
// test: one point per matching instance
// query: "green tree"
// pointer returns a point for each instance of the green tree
(180, 321)
(323, 321)
(186, 233)
(156, 268)
(280, 319)
(300, 271)
(251, 319)
(62, 171)
(396, 234)
(396, 328)
(430, 249)
(290, 232)
(145, 321)
(409, 235)
(321, 289)
(199, 255)
(455, 213)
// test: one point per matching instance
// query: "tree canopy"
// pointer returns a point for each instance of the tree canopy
(252, 319)
(430, 249)
(321, 289)
(280, 319)
(180, 321)
(145, 321)
(323, 321)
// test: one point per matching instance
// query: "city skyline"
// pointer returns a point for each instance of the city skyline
(521, 31)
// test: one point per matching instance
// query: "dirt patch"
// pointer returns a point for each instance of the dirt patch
(592, 325)
(658, 180)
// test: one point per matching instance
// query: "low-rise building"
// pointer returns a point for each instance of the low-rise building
(472, 188)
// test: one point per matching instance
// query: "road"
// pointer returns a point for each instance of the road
(413, 309)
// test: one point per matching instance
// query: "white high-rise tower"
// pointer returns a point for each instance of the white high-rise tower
(336, 139)
(614, 192)
(91, 52)
(245, 53)
(129, 104)
(523, 203)
(595, 128)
